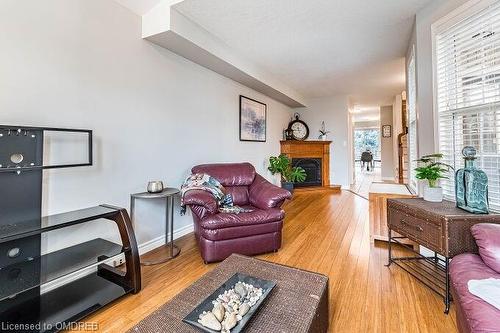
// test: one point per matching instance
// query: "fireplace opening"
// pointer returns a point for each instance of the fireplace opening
(312, 166)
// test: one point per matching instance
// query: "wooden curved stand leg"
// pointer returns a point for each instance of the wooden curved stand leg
(132, 277)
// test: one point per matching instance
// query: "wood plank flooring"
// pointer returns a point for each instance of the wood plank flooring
(324, 232)
(363, 181)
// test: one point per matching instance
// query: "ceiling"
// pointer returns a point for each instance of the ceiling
(140, 7)
(318, 47)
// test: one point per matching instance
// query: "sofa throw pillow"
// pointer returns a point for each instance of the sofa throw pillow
(487, 236)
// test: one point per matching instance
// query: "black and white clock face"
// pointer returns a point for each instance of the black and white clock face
(299, 129)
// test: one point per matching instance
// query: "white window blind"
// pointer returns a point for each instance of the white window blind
(412, 121)
(468, 95)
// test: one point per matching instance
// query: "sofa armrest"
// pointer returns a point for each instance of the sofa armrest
(487, 236)
(264, 195)
(201, 202)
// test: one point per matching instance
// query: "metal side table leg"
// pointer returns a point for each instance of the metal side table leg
(168, 194)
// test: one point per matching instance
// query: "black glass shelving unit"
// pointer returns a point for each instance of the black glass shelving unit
(24, 270)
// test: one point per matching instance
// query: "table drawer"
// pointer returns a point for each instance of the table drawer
(425, 233)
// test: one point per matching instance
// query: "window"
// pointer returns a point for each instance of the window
(412, 121)
(467, 57)
(367, 139)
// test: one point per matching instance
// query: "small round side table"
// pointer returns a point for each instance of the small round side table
(168, 194)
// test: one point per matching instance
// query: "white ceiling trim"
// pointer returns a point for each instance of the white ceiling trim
(167, 27)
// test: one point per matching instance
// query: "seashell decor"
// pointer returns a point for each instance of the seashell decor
(230, 307)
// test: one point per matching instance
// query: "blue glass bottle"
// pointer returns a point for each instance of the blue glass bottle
(471, 185)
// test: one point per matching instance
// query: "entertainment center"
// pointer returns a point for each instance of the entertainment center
(24, 267)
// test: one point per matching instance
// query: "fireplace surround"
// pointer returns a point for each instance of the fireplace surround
(314, 157)
(312, 166)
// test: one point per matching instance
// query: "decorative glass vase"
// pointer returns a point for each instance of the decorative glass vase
(471, 185)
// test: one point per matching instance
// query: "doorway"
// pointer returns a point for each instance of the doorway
(367, 160)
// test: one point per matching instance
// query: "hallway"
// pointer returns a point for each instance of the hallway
(364, 179)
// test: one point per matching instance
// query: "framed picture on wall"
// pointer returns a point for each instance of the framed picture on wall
(386, 131)
(252, 120)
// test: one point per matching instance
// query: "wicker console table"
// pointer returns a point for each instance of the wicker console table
(440, 227)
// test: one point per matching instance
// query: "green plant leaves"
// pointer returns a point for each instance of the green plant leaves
(432, 170)
(298, 175)
(281, 164)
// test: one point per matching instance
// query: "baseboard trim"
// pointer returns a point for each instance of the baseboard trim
(160, 240)
(387, 178)
(143, 248)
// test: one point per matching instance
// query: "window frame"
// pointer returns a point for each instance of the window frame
(413, 58)
(463, 12)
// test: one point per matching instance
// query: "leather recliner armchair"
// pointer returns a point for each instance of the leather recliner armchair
(221, 234)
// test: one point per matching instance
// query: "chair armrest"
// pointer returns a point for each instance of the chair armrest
(201, 202)
(264, 195)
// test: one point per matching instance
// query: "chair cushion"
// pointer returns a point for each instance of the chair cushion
(487, 238)
(241, 231)
(480, 316)
(228, 174)
(256, 216)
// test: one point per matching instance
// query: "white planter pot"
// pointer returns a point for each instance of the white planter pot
(433, 194)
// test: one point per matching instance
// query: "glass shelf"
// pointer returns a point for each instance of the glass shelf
(23, 276)
(9, 232)
(69, 303)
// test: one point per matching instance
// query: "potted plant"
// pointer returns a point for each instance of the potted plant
(432, 170)
(289, 175)
(323, 133)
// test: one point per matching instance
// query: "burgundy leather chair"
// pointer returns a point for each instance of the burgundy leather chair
(221, 234)
(474, 315)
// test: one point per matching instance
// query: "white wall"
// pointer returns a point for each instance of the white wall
(82, 63)
(422, 39)
(367, 124)
(386, 144)
(334, 112)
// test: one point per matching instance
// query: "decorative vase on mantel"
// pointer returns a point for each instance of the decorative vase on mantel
(471, 185)
(323, 133)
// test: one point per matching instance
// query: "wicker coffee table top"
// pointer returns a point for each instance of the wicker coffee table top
(298, 303)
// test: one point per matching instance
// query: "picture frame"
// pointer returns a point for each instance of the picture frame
(386, 131)
(253, 120)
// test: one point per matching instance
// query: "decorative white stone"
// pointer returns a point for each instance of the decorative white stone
(231, 306)
(209, 320)
(244, 308)
(230, 322)
(219, 311)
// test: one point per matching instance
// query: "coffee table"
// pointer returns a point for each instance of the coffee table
(298, 303)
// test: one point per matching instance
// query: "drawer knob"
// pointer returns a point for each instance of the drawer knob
(416, 227)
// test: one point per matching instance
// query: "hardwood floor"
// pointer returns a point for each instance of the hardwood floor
(324, 232)
(363, 181)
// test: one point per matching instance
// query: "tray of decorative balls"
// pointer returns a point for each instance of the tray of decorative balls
(232, 305)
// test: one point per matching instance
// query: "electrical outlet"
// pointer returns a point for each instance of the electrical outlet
(119, 261)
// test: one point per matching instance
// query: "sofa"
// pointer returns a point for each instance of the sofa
(473, 313)
(221, 234)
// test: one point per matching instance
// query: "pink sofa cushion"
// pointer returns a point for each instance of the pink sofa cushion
(487, 238)
(480, 316)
